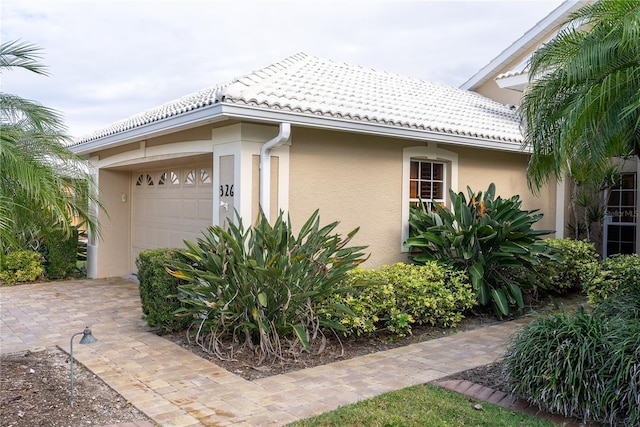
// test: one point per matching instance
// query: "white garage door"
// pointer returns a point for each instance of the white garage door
(170, 205)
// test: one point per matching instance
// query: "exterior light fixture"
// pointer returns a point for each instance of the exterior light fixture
(87, 338)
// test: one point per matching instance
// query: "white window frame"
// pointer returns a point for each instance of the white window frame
(419, 180)
(430, 152)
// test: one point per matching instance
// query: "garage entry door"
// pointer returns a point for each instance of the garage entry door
(170, 205)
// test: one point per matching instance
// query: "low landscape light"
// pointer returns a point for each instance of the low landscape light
(87, 338)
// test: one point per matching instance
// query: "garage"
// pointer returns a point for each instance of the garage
(170, 205)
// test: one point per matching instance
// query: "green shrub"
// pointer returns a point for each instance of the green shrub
(490, 238)
(625, 304)
(585, 365)
(573, 266)
(266, 286)
(619, 273)
(61, 253)
(395, 297)
(20, 266)
(159, 289)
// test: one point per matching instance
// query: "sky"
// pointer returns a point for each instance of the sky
(108, 60)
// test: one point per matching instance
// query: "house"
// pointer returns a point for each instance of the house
(301, 134)
(505, 78)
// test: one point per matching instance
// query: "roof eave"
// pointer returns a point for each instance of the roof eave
(517, 82)
(222, 111)
(199, 117)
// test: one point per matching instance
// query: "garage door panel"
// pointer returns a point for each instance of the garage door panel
(166, 215)
(162, 238)
(205, 209)
(191, 209)
(149, 237)
(173, 208)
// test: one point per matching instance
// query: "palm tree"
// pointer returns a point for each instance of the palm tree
(582, 106)
(42, 183)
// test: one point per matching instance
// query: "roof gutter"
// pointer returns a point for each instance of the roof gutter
(265, 166)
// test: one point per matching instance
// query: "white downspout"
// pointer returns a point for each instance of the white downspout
(265, 166)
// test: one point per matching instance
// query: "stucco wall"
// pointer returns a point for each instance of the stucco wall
(479, 168)
(352, 179)
(357, 180)
(114, 248)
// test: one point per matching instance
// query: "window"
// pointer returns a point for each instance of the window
(190, 177)
(426, 181)
(163, 179)
(622, 217)
(174, 179)
(428, 172)
(621, 205)
(205, 176)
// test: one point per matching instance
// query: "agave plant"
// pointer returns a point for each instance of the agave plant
(264, 285)
(490, 238)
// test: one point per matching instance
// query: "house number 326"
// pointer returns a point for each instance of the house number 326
(226, 190)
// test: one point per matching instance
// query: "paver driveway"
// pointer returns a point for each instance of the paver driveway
(177, 388)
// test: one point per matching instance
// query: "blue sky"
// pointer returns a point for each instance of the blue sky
(111, 59)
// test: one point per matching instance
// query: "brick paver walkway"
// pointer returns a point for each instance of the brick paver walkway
(177, 388)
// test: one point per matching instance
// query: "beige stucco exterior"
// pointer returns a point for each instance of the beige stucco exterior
(230, 153)
(114, 241)
(507, 171)
(355, 179)
(352, 179)
(112, 253)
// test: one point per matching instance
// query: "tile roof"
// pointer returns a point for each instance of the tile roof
(311, 86)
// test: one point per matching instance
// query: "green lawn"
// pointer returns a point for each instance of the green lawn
(420, 406)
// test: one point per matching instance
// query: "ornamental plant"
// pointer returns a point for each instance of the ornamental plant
(265, 286)
(584, 365)
(616, 274)
(61, 252)
(490, 238)
(575, 264)
(159, 290)
(396, 297)
(20, 266)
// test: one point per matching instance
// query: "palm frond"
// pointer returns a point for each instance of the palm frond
(42, 183)
(582, 105)
(18, 54)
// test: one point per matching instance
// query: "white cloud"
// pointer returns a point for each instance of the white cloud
(111, 59)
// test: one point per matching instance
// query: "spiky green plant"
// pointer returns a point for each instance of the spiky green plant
(490, 238)
(584, 365)
(265, 286)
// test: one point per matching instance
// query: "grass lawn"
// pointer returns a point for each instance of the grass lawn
(419, 406)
